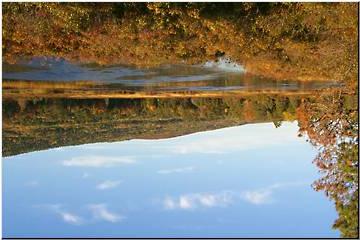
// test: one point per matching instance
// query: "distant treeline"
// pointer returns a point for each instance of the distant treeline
(30, 125)
(36, 124)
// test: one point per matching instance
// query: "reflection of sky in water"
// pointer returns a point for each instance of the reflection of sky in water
(61, 70)
(164, 78)
(245, 181)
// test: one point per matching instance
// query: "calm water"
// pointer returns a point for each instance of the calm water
(220, 76)
(250, 165)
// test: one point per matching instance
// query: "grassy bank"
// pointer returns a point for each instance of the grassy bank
(90, 90)
(302, 41)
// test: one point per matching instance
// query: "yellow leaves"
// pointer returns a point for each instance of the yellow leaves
(211, 27)
(289, 116)
(170, 32)
(194, 13)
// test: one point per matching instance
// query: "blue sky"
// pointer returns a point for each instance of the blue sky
(246, 181)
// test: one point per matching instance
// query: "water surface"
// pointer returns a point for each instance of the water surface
(214, 76)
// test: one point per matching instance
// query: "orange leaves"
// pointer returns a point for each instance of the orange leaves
(163, 33)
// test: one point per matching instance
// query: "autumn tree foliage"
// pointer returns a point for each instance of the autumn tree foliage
(331, 124)
(303, 41)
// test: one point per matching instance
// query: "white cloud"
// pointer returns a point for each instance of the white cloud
(257, 197)
(101, 212)
(208, 200)
(169, 203)
(235, 139)
(97, 161)
(176, 170)
(186, 202)
(222, 199)
(264, 195)
(108, 184)
(94, 146)
(197, 200)
(70, 218)
(65, 215)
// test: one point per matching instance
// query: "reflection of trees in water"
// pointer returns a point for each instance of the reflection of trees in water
(332, 125)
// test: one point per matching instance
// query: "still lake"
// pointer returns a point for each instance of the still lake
(234, 166)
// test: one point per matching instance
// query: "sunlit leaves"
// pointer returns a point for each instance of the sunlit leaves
(332, 125)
